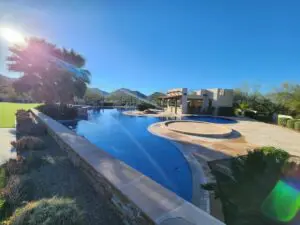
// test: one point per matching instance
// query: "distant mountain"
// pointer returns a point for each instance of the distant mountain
(125, 91)
(5, 81)
(126, 96)
(97, 90)
(154, 96)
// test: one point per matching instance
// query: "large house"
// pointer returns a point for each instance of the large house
(205, 101)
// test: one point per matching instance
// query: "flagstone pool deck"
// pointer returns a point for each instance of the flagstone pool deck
(247, 134)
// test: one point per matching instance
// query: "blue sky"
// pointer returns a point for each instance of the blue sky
(154, 45)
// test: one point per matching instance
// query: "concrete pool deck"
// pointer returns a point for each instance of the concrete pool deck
(6, 150)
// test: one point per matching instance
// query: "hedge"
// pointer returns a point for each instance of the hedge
(291, 123)
(249, 113)
(297, 126)
(283, 121)
(225, 111)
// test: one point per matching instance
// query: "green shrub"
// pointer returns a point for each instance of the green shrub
(18, 189)
(264, 118)
(28, 143)
(297, 126)
(58, 112)
(3, 177)
(238, 112)
(143, 106)
(283, 121)
(291, 123)
(4, 209)
(297, 117)
(52, 211)
(256, 173)
(13, 167)
(225, 111)
(249, 113)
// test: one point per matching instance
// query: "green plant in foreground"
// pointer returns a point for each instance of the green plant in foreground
(58, 211)
(297, 126)
(256, 173)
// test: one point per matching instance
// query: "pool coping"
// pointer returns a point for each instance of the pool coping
(196, 170)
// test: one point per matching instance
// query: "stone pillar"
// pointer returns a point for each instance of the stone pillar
(184, 104)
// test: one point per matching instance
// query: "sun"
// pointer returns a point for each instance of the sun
(12, 35)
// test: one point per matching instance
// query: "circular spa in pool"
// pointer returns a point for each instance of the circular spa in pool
(210, 119)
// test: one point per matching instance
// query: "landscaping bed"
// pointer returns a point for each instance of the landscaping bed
(42, 185)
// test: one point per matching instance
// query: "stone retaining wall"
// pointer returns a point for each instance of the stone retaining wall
(138, 199)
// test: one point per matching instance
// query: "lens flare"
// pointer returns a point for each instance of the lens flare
(282, 204)
(12, 35)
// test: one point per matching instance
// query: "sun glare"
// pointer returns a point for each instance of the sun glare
(12, 36)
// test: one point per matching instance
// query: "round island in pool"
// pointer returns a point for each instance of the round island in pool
(210, 119)
(197, 128)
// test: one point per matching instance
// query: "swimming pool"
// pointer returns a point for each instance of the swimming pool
(127, 138)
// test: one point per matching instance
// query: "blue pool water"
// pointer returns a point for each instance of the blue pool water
(127, 138)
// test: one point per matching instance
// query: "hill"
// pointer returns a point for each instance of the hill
(126, 96)
(6, 81)
(98, 91)
(154, 96)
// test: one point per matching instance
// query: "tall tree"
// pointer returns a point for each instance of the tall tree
(49, 73)
(289, 96)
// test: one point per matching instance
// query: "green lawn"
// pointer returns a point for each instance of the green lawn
(8, 111)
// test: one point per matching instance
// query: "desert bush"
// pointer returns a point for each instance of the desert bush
(225, 111)
(58, 211)
(282, 121)
(18, 189)
(249, 113)
(58, 112)
(143, 106)
(28, 143)
(26, 126)
(22, 113)
(291, 123)
(297, 126)
(238, 112)
(13, 166)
